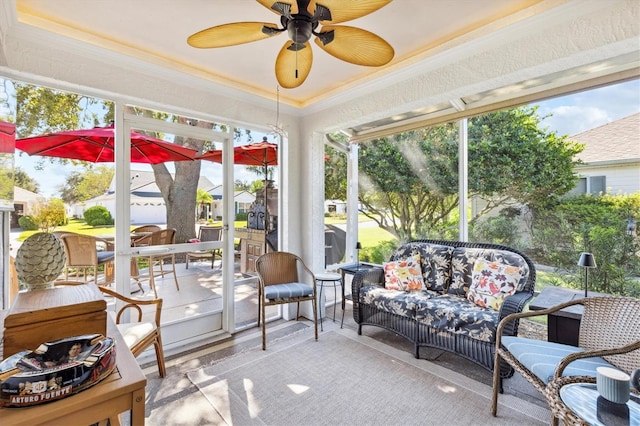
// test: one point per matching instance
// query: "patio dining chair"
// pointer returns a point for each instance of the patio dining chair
(608, 336)
(284, 278)
(156, 238)
(86, 254)
(206, 233)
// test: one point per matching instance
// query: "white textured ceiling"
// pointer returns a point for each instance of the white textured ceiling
(156, 31)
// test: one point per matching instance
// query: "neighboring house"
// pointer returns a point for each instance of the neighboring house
(147, 204)
(335, 206)
(24, 203)
(242, 201)
(611, 158)
(611, 164)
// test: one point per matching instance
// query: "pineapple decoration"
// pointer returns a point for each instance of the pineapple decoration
(39, 261)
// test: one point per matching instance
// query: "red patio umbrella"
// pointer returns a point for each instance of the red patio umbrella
(7, 137)
(97, 145)
(254, 154)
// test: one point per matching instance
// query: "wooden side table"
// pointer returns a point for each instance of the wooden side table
(123, 390)
(563, 325)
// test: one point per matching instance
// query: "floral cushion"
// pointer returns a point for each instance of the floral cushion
(463, 259)
(435, 262)
(457, 315)
(394, 301)
(492, 282)
(404, 275)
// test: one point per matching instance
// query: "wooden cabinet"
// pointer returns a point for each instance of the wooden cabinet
(251, 248)
(44, 315)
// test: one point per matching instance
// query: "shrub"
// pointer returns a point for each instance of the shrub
(51, 215)
(380, 253)
(28, 223)
(98, 216)
(498, 230)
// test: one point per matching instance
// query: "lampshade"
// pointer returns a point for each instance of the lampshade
(587, 260)
(358, 245)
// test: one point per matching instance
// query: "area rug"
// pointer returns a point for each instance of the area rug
(345, 379)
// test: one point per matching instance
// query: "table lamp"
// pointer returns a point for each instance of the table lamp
(358, 248)
(586, 261)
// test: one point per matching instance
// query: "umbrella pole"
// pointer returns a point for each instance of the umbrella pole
(266, 202)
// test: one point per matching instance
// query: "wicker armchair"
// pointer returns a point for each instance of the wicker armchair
(609, 336)
(279, 283)
(84, 257)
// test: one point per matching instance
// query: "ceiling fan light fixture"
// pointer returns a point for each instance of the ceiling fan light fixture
(300, 30)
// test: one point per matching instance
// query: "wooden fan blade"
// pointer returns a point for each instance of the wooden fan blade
(355, 45)
(293, 66)
(346, 10)
(232, 34)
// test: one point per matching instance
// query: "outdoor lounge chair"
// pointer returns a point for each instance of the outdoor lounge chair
(609, 336)
(279, 282)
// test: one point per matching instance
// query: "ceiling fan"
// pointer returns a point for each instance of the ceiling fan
(302, 19)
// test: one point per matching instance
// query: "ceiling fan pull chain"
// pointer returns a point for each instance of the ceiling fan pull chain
(297, 54)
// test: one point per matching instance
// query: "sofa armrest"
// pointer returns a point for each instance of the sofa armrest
(512, 305)
(369, 276)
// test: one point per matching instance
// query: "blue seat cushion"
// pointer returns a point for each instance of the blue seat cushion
(542, 358)
(105, 256)
(287, 291)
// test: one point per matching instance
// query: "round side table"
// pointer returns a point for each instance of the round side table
(576, 401)
(329, 279)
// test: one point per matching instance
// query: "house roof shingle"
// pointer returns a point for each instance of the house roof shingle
(618, 140)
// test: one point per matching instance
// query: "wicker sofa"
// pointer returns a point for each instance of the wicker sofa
(439, 314)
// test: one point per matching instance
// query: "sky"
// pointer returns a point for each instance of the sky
(568, 115)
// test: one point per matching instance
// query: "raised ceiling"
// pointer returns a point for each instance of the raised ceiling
(156, 31)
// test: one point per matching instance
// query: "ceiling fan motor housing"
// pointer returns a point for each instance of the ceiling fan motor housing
(300, 28)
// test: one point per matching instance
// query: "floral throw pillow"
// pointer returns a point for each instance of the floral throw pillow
(404, 274)
(492, 282)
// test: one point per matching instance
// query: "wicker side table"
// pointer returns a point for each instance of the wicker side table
(580, 404)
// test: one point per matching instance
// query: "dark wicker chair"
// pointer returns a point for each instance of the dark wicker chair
(608, 330)
(279, 282)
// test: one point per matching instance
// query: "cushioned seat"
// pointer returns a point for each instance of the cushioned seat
(394, 301)
(451, 313)
(542, 357)
(287, 291)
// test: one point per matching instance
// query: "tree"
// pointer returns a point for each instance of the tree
(203, 198)
(50, 215)
(409, 180)
(335, 174)
(511, 157)
(24, 181)
(94, 181)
